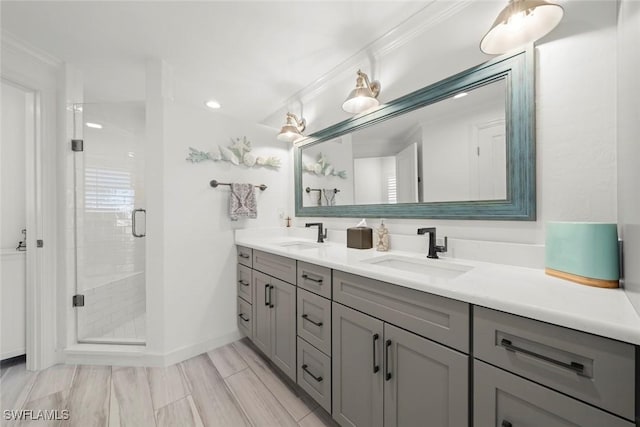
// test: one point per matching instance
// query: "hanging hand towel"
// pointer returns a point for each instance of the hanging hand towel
(329, 196)
(242, 202)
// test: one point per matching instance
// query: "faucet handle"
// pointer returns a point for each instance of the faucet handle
(443, 249)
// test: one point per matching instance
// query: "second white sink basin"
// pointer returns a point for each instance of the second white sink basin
(299, 245)
(430, 267)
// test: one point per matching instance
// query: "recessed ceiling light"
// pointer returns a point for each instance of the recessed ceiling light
(214, 105)
(93, 125)
(460, 95)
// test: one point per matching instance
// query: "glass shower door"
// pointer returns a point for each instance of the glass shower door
(110, 223)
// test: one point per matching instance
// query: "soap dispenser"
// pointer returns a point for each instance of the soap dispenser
(383, 237)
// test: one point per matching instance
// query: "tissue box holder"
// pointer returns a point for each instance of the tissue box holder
(585, 253)
(360, 238)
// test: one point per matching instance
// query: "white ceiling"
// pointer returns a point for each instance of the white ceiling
(258, 58)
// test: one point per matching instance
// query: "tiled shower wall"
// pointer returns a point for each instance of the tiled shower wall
(113, 304)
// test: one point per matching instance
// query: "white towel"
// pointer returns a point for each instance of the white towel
(329, 196)
(242, 202)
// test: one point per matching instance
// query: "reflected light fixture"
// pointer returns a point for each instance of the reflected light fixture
(363, 97)
(292, 129)
(460, 95)
(93, 125)
(519, 23)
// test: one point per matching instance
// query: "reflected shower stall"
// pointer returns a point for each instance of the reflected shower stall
(108, 161)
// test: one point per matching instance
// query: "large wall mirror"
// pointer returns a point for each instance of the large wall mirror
(462, 148)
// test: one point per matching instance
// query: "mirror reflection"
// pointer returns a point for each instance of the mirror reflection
(451, 150)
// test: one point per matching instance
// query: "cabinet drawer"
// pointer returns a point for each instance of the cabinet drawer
(594, 369)
(314, 373)
(504, 399)
(244, 283)
(274, 265)
(440, 319)
(245, 318)
(314, 320)
(315, 278)
(245, 256)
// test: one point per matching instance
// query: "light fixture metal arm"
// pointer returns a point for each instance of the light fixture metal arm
(374, 86)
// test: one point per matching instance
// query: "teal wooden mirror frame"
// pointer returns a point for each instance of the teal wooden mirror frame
(520, 205)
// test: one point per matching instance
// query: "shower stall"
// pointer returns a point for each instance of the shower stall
(109, 231)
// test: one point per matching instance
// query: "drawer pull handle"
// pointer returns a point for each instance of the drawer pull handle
(304, 368)
(306, 317)
(376, 368)
(318, 281)
(271, 287)
(245, 256)
(576, 367)
(241, 315)
(387, 375)
(243, 282)
(506, 423)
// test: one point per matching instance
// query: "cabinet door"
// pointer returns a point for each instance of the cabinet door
(262, 312)
(425, 382)
(504, 399)
(283, 326)
(357, 368)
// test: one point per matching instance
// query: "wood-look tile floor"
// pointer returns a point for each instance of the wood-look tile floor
(230, 386)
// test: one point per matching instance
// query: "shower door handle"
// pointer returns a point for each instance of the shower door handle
(133, 222)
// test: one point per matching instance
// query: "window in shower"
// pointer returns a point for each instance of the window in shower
(110, 244)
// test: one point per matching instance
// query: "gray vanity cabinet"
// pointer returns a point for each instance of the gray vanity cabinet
(358, 384)
(502, 399)
(274, 313)
(425, 382)
(384, 375)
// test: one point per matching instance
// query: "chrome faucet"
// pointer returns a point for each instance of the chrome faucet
(433, 248)
(321, 235)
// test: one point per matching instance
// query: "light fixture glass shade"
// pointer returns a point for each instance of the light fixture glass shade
(363, 97)
(519, 23)
(292, 129)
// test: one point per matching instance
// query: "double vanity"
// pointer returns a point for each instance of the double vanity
(396, 339)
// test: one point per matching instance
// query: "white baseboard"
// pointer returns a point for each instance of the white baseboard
(128, 355)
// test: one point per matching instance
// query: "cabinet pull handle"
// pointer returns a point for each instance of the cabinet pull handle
(271, 287)
(241, 315)
(242, 255)
(243, 282)
(304, 368)
(376, 368)
(506, 423)
(576, 367)
(318, 281)
(306, 317)
(267, 295)
(387, 375)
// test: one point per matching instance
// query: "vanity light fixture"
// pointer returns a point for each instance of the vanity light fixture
(363, 97)
(292, 130)
(213, 104)
(93, 125)
(460, 95)
(519, 23)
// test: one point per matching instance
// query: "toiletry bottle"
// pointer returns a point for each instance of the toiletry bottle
(383, 237)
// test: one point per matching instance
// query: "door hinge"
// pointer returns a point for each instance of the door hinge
(39, 243)
(78, 300)
(77, 145)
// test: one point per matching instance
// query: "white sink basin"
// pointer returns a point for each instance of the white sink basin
(299, 245)
(430, 267)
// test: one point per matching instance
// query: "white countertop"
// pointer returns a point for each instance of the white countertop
(523, 291)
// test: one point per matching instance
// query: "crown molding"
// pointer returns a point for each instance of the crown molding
(11, 41)
(417, 24)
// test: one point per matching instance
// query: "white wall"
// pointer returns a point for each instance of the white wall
(629, 144)
(199, 251)
(12, 166)
(575, 127)
(370, 179)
